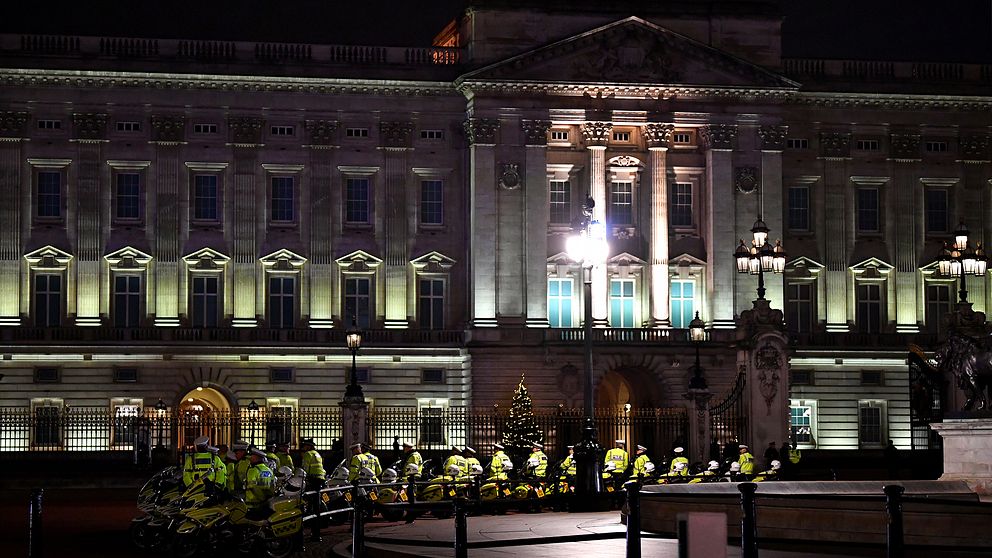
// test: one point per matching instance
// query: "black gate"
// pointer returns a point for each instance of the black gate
(728, 418)
(927, 401)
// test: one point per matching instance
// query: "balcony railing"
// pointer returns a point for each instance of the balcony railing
(884, 71)
(850, 339)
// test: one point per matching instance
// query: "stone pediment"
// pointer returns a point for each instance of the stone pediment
(630, 51)
(433, 262)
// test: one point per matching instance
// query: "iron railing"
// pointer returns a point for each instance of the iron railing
(728, 418)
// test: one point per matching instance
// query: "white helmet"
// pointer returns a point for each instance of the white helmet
(340, 473)
(533, 462)
(679, 465)
(475, 469)
(389, 475)
(776, 464)
(293, 485)
(649, 467)
(735, 467)
(412, 469)
(610, 467)
(366, 474)
(507, 464)
(714, 465)
(453, 470)
(284, 472)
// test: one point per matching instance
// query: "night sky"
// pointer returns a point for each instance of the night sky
(958, 30)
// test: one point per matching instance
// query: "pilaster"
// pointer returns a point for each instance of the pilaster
(596, 135)
(396, 138)
(658, 136)
(772, 139)
(719, 140)
(908, 230)
(321, 141)
(975, 162)
(245, 139)
(481, 135)
(168, 132)
(86, 214)
(536, 223)
(838, 237)
(12, 135)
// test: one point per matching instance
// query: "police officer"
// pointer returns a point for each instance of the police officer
(199, 464)
(746, 461)
(282, 455)
(680, 457)
(259, 483)
(455, 458)
(270, 454)
(220, 468)
(617, 455)
(239, 469)
(642, 464)
(568, 464)
(500, 464)
(537, 463)
(371, 461)
(313, 465)
(711, 471)
(412, 461)
(470, 459)
(357, 462)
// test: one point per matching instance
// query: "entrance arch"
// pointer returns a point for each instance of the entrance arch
(626, 399)
(205, 411)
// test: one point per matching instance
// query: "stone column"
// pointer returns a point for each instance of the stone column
(354, 422)
(596, 135)
(168, 133)
(536, 204)
(481, 135)
(763, 352)
(906, 228)
(321, 141)
(975, 159)
(838, 234)
(699, 423)
(719, 139)
(245, 139)
(772, 140)
(658, 136)
(396, 144)
(12, 135)
(85, 216)
(510, 236)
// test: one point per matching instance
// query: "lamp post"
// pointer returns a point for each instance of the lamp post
(353, 393)
(160, 408)
(252, 417)
(588, 248)
(761, 257)
(697, 332)
(959, 260)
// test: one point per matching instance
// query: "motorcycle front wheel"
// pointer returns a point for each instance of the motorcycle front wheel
(281, 547)
(186, 545)
(143, 535)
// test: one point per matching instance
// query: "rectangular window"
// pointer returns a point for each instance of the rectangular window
(432, 134)
(47, 375)
(357, 200)
(867, 208)
(801, 377)
(431, 428)
(279, 424)
(936, 146)
(358, 301)
(621, 136)
(560, 302)
(431, 305)
(204, 128)
(128, 126)
(125, 422)
(281, 375)
(938, 301)
(681, 138)
(205, 197)
(801, 423)
(47, 300)
(206, 301)
(128, 198)
(283, 204)
(871, 378)
(431, 202)
(621, 203)
(798, 217)
(559, 135)
(282, 302)
(432, 376)
(681, 205)
(127, 300)
(48, 425)
(125, 375)
(356, 132)
(797, 143)
(561, 202)
(935, 203)
(622, 303)
(682, 297)
(871, 423)
(48, 124)
(866, 145)
(869, 308)
(284, 131)
(800, 315)
(50, 194)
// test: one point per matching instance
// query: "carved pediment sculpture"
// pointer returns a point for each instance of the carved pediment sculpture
(321, 132)
(168, 128)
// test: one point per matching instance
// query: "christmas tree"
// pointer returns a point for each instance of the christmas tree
(521, 428)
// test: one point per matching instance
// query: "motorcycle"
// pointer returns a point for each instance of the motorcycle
(154, 528)
(387, 495)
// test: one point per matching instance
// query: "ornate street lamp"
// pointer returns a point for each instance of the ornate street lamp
(697, 332)
(354, 340)
(761, 257)
(252, 417)
(959, 260)
(160, 408)
(588, 248)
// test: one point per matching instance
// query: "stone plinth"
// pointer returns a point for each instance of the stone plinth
(968, 452)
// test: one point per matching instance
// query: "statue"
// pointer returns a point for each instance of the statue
(971, 364)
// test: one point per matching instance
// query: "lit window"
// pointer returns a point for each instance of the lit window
(431, 314)
(128, 199)
(622, 303)
(358, 301)
(282, 302)
(799, 208)
(283, 206)
(682, 297)
(680, 204)
(621, 136)
(125, 419)
(431, 202)
(801, 423)
(357, 200)
(559, 135)
(621, 200)
(867, 208)
(560, 302)
(205, 197)
(127, 300)
(49, 194)
(561, 202)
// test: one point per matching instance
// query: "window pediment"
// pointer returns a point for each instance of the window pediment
(627, 259)
(359, 261)
(48, 258)
(803, 268)
(206, 259)
(128, 258)
(283, 260)
(433, 262)
(872, 269)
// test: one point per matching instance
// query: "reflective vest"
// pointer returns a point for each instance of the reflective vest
(794, 456)
(198, 465)
(372, 462)
(619, 457)
(284, 460)
(259, 485)
(241, 473)
(469, 461)
(640, 466)
(747, 463)
(497, 467)
(220, 472)
(541, 468)
(355, 465)
(412, 457)
(568, 465)
(313, 464)
(685, 470)
(455, 460)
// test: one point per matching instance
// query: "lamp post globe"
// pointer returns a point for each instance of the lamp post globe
(761, 257)
(353, 340)
(697, 333)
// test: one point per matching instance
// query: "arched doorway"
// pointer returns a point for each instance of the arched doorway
(626, 401)
(204, 411)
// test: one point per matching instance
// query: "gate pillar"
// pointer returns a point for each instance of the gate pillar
(699, 424)
(764, 357)
(354, 423)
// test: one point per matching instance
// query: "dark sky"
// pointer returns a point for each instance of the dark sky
(959, 30)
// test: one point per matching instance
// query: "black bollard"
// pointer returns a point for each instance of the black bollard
(894, 531)
(749, 526)
(34, 523)
(461, 529)
(357, 525)
(634, 520)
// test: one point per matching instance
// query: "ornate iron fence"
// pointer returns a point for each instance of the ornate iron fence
(728, 418)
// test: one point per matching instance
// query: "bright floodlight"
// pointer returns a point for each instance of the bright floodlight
(589, 247)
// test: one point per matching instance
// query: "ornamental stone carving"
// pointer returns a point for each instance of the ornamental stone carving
(245, 130)
(509, 176)
(658, 135)
(535, 131)
(761, 317)
(396, 134)
(481, 131)
(624, 161)
(12, 124)
(746, 179)
(168, 128)
(835, 144)
(904, 146)
(321, 132)
(975, 147)
(596, 133)
(633, 56)
(768, 361)
(89, 126)
(718, 136)
(773, 137)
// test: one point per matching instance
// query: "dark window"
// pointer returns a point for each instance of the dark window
(357, 200)
(206, 300)
(797, 143)
(431, 312)
(281, 375)
(282, 199)
(621, 200)
(204, 128)
(936, 208)
(801, 377)
(49, 124)
(867, 204)
(869, 308)
(800, 307)
(128, 196)
(621, 136)
(561, 202)
(870, 424)
(432, 134)
(681, 205)
(798, 208)
(682, 138)
(938, 301)
(125, 417)
(432, 376)
(358, 301)
(279, 424)
(287, 131)
(47, 375)
(48, 426)
(125, 375)
(431, 202)
(128, 126)
(871, 378)
(431, 431)
(47, 300)
(282, 302)
(936, 146)
(866, 145)
(205, 197)
(49, 194)
(356, 132)
(127, 300)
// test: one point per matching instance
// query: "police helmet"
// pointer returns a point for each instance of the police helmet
(475, 469)
(680, 465)
(533, 462)
(776, 464)
(412, 469)
(365, 474)
(713, 466)
(389, 475)
(294, 484)
(284, 472)
(649, 467)
(679, 449)
(610, 467)
(256, 452)
(735, 467)
(453, 470)
(340, 473)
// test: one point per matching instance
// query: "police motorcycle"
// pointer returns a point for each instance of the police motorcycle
(443, 487)
(157, 526)
(164, 487)
(771, 474)
(677, 475)
(396, 493)
(337, 495)
(531, 488)
(712, 473)
(733, 474)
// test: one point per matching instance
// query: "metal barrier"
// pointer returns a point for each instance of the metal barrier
(34, 523)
